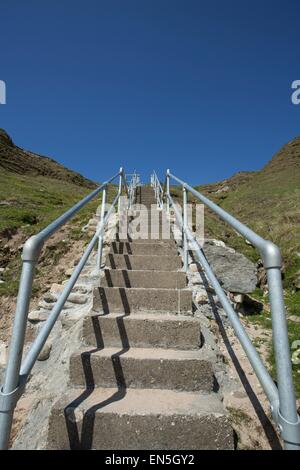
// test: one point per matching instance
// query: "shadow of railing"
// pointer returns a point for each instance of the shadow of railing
(84, 440)
(264, 420)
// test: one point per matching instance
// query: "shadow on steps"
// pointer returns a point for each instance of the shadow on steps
(83, 440)
(265, 422)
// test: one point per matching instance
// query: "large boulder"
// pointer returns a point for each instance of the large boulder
(234, 271)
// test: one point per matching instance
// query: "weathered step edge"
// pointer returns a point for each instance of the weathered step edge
(142, 330)
(132, 300)
(139, 419)
(144, 262)
(143, 368)
(151, 279)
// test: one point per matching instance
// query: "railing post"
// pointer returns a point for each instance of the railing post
(100, 239)
(120, 190)
(288, 418)
(185, 222)
(168, 191)
(157, 194)
(12, 389)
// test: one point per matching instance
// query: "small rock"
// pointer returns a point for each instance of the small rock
(45, 352)
(217, 242)
(38, 315)
(201, 298)
(223, 189)
(50, 298)
(68, 305)
(2, 270)
(93, 221)
(80, 289)
(3, 354)
(1, 281)
(237, 298)
(45, 305)
(193, 268)
(77, 299)
(56, 288)
(294, 318)
(69, 272)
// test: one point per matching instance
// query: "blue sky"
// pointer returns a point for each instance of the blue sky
(202, 87)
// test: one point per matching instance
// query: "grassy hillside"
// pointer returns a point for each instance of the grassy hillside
(268, 201)
(34, 191)
(20, 161)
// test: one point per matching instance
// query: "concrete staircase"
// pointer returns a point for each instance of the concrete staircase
(141, 380)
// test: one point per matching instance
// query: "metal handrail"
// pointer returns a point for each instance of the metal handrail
(17, 371)
(135, 181)
(158, 190)
(281, 397)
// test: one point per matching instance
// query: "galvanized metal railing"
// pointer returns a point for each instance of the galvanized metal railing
(133, 184)
(18, 370)
(281, 397)
(158, 190)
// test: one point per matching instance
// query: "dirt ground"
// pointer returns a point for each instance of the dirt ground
(248, 406)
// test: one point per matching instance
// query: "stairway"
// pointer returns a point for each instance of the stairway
(141, 380)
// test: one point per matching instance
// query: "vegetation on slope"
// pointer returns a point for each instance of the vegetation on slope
(268, 201)
(34, 191)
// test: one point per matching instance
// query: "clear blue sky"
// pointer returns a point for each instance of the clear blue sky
(202, 87)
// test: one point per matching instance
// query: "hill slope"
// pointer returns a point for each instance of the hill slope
(268, 201)
(31, 189)
(34, 191)
(17, 160)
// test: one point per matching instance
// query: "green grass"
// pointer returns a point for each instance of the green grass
(32, 203)
(269, 203)
(264, 322)
(238, 416)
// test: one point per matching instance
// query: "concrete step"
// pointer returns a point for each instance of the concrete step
(142, 330)
(143, 368)
(147, 206)
(144, 262)
(143, 248)
(111, 418)
(131, 300)
(165, 241)
(146, 236)
(150, 279)
(151, 219)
